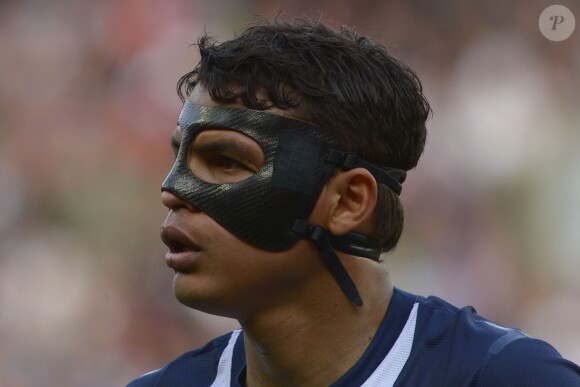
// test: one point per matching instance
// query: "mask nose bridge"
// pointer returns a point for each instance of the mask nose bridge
(180, 163)
(169, 180)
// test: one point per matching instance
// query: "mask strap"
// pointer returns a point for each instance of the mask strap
(350, 243)
(391, 177)
(356, 244)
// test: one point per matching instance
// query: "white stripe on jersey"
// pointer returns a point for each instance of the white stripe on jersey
(388, 371)
(385, 375)
(224, 370)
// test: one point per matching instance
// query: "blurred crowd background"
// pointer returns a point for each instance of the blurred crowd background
(87, 105)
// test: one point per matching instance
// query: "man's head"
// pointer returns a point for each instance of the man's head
(340, 81)
(265, 133)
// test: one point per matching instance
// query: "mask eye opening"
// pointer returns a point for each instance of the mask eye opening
(224, 156)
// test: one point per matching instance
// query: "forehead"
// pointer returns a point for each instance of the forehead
(274, 130)
(200, 112)
(200, 96)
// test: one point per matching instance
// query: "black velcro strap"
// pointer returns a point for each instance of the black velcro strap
(356, 244)
(319, 236)
(391, 177)
(296, 161)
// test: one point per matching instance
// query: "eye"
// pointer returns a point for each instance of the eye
(224, 156)
(225, 163)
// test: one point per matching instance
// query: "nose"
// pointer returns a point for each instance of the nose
(174, 202)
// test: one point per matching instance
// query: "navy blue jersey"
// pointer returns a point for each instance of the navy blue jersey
(420, 342)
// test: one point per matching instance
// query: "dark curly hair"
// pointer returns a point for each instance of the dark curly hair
(340, 81)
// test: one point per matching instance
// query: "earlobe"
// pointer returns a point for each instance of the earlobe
(354, 201)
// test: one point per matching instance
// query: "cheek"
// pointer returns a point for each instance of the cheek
(234, 277)
(264, 277)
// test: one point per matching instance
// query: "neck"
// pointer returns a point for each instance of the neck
(315, 341)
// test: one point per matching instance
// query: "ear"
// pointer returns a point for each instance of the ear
(353, 198)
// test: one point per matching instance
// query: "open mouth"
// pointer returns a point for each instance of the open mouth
(176, 241)
(178, 247)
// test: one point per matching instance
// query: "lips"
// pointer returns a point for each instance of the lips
(183, 252)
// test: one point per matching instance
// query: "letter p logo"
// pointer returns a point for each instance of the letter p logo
(557, 20)
(557, 23)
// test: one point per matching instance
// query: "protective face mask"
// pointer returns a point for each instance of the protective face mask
(270, 208)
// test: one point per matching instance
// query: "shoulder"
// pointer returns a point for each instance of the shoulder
(461, 326)
(457, 346)
(200, 365)
(530, 362)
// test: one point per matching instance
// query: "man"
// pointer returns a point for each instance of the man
(291, 149)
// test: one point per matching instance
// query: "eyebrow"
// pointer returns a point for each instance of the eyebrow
(222, 146)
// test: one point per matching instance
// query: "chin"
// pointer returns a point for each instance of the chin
(204, 299)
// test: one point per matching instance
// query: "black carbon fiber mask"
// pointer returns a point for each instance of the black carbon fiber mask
(270, 209)
(262, 208)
